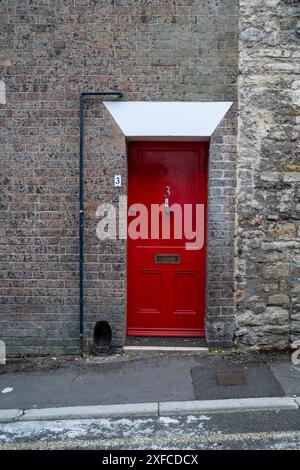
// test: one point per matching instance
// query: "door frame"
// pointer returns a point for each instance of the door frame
(163, 144)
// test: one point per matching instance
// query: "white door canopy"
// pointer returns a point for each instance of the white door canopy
(168, 119)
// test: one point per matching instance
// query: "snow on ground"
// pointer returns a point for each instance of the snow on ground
(104, 428)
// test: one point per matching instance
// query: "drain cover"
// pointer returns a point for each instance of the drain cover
(230, 378)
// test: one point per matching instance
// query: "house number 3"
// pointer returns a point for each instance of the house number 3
(167, 191)
(118, 181)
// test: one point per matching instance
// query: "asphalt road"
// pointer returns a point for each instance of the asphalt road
(257, 430)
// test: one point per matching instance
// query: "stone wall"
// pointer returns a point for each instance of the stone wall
(53, 50)
(268, 204)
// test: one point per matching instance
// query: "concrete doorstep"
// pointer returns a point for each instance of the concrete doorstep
(151, 409)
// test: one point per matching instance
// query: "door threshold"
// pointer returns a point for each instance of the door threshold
(163, 343)
(165, 348)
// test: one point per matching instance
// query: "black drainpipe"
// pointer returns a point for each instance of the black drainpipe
(81, 203)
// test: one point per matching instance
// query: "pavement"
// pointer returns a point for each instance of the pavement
(132, 379)
(151, 401)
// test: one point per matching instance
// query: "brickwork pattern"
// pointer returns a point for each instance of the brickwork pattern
(53, 50)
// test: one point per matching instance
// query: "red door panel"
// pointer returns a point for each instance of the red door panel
(185, 298)
(149, 299)
(165, 280)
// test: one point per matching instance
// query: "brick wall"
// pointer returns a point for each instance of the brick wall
(53, 50)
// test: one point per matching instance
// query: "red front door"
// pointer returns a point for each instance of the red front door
(166, 279)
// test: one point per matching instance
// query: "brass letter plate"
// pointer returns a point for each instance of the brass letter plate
(167, 259)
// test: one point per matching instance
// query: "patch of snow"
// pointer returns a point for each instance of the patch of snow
(166, 420)
(129, 422)
(107, 429)
(7, 390)
(192, 418)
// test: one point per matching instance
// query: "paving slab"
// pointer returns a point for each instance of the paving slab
(143, 380)
(257, 381)
(288, 375)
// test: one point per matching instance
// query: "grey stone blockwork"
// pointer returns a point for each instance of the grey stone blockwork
(268, 243)
(158, 50)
